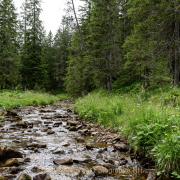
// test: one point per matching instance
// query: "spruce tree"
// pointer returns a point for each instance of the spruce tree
(33, 71)
(9, 45)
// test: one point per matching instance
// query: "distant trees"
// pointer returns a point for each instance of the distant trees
(110, 44)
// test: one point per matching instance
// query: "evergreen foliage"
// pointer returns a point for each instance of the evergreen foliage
(9, 45)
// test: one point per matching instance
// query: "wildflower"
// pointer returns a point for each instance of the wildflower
(177, 127)
(165, 134)
(158, 105)
(132, 111)
(171, 113)
(166, 125)
(174, 126)
(165, 138)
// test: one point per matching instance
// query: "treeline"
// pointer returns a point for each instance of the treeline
(28, 58)
(127, 44)
(118, 44)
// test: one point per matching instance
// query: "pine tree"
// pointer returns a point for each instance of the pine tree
(33, 71)
(9, 60)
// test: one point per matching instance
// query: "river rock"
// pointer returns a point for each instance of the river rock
(43, 129)
(108, 166)
(73, 128)
(37, 145)
(83, 131)
(7, 153)
(80, 139)
(46, 117)
(121, 147)
(65, 161)
(82, 160)
(72, 123)
(89, 145)
(24, 176)
(42, 177)
(48, 122)
(24, 124)
(49, 131)
(36, 170)
(58, 151)
(11, 113)
(151, 175)
(100, 171)
(65, 143)
(11, 162)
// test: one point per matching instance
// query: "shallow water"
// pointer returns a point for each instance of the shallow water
(43, 157)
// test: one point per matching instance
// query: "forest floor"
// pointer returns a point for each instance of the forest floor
(149, 122)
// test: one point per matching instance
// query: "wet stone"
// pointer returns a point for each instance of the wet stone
(100, 150)
(24, 176)
(23, 124)
(100, 170)
(72, 123)
(43, 129)
(36, 170)
(82, 160)
(121, 147)
(42, 177)
(89, 145)
(48, 122)
(37, 145)
(65, 143)
(109, 166)
(58, 151)
(49, 131)
(11, 162)
(46, 117)
(65, 161)
(73, 128)
(80, 140)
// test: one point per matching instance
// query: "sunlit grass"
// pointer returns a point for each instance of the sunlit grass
(12, 99)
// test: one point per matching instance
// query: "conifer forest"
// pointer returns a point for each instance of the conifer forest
(111, 44)
(114, 63)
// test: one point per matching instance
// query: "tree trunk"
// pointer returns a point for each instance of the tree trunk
(176, 65)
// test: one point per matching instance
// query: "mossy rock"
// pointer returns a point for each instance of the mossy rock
(3, 178)
(24, 176)
(24, 124)
(11, 162)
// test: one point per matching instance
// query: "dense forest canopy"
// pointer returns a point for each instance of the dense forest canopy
(113, 44)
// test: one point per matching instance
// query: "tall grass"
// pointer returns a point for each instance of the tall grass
(150, 122)
(12, 99)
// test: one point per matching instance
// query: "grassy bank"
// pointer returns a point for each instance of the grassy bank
(12, 99)
(150, 122)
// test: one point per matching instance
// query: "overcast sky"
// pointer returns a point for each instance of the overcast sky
(52, 12)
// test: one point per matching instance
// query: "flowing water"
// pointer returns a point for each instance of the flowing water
(19, 138)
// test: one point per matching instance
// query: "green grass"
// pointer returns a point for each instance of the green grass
(150, 122)
(12, 99)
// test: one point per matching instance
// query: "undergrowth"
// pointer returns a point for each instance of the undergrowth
(150, 122)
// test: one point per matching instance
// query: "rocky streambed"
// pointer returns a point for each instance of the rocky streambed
(51, 142)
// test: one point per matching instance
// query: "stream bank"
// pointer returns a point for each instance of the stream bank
(56, 144)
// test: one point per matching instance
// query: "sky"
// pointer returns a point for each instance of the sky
(52, 12)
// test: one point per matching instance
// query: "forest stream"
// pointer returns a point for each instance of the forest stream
(56, 144)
